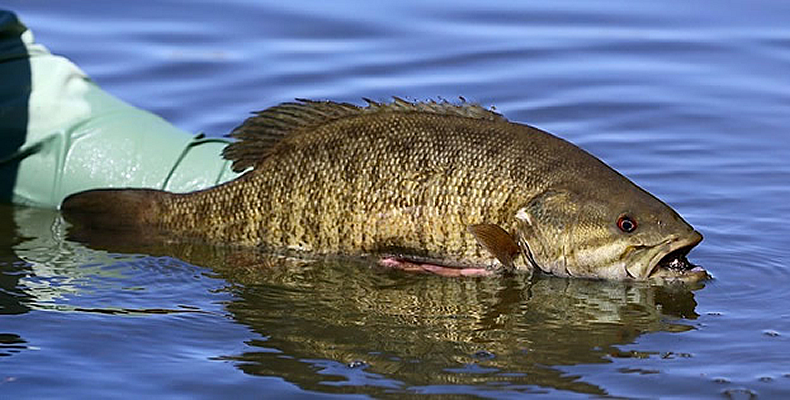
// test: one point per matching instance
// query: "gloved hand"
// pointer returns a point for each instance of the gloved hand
(60, 133)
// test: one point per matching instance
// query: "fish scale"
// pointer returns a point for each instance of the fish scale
(454, 185)
(420, 182)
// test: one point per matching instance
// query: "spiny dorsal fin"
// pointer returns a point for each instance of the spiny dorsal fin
(259, 133)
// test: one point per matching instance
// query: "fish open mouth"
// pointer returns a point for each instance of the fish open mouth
(672, 264)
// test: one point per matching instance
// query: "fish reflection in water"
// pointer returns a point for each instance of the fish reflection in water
(424, 330)
(331, 325)
(418, 330)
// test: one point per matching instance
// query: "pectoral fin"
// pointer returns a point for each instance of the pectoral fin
(498, 242)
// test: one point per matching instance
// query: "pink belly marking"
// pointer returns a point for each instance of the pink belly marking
(409, 266)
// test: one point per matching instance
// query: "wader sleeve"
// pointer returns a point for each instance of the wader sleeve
(60, 133)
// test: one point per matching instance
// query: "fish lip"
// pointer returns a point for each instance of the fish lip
(679, 246)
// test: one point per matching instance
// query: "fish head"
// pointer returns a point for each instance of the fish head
(625, 234)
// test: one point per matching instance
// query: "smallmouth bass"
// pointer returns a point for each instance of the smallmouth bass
(428, 186)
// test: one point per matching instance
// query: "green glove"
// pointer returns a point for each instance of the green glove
(61, 134)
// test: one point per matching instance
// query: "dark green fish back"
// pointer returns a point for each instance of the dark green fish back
(258, 134)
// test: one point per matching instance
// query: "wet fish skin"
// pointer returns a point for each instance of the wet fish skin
(411, 180)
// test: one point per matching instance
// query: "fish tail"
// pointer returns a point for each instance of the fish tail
(114, 209)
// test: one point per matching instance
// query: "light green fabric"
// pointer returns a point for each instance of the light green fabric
(79, 137)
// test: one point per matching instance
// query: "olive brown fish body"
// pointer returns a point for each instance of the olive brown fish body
(453, 185)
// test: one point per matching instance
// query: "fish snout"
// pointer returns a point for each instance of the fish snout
(670, 262)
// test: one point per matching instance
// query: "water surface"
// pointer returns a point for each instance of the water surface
(689, 100)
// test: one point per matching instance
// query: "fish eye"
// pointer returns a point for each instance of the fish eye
(626, 224)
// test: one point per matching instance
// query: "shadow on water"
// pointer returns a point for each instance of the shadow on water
(13, 301)
(348, 326)
(12, 268)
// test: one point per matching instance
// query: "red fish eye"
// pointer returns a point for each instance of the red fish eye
(626, 224)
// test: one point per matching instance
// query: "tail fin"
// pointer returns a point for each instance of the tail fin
(114, 209)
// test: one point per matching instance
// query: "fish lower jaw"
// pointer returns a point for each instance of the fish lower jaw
(672, 264)
(694, 274)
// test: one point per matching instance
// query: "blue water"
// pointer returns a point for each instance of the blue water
(689, 99)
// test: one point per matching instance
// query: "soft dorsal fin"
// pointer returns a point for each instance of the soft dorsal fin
(259, 133)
